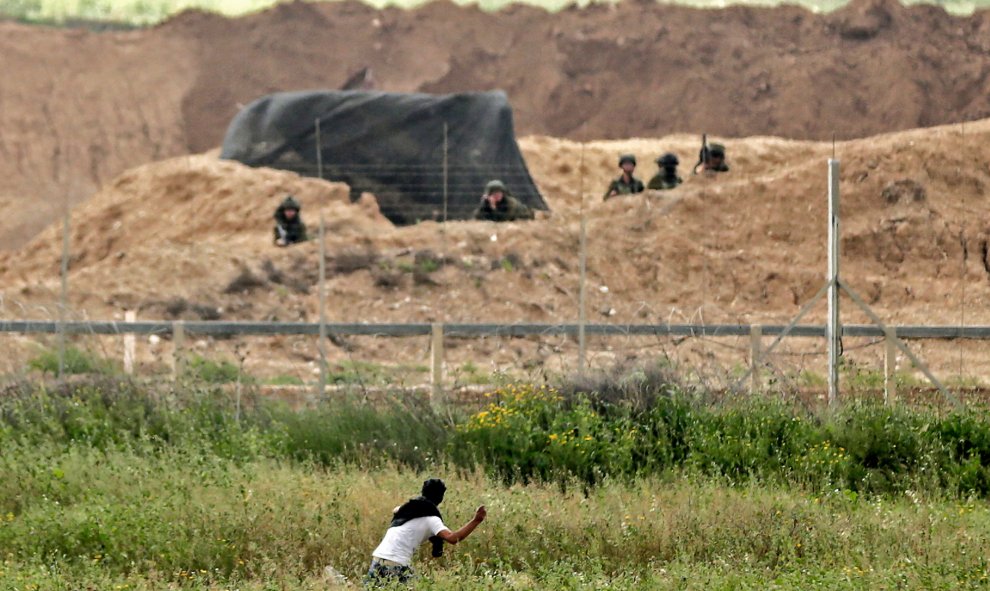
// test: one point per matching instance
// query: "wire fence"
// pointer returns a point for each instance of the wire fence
(560, 313)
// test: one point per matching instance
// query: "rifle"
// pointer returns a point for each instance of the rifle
(703, 155)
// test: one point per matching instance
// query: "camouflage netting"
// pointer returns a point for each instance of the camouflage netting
(390, 145)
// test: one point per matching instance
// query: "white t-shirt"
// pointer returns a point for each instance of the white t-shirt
(400, 543)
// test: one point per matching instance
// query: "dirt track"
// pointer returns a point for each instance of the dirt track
(77, 108)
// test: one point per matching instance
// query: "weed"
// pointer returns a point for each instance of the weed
(286, 380)
(106, 485)
(214, 372)
(76, 362)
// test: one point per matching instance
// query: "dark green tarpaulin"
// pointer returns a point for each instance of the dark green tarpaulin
(390, 145)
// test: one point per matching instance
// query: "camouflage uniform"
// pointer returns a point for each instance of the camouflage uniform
(661, 182)
(667, 177)
(719, 151)
(291, 231)
(621, 186)
(507, 210)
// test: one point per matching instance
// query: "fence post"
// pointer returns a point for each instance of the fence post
(889, 364)
(319, 150)
(446, 173)
(322, 345)
(833, 330)
(129, 343)
(582, 274)
(755, 354)
(63, 300)
(178, 349)
(436, 362)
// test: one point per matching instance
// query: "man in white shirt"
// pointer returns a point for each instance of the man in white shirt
(412, 524)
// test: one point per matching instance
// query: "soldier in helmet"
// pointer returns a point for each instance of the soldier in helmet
(626, 183)
(716, 159)
(498, 205)
(667, 177)
(289, 227)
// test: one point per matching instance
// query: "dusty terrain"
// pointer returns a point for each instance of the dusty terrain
(190, 237)
(78, 108)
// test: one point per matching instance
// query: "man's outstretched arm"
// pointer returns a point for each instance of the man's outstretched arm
(452, 537)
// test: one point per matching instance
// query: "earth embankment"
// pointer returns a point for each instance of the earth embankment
(79, 107)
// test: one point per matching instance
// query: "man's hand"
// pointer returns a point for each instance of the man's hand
(452, 537)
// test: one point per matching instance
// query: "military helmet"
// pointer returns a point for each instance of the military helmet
(668, 159)
(716, 150)
(493, 186)
(290, 203)
(627, 158)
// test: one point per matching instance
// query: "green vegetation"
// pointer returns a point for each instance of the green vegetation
(209, 371)
(141, 12)
(106, 485)
(286, 380)
(469, 374)
(76, 362)
(364, 373)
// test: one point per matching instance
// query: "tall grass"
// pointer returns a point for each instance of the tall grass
(529, 433)
(107, 485)
(192, 520)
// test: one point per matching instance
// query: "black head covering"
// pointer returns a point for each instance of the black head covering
(422, 506)
(433, 490)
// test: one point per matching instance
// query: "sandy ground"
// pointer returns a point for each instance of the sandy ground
(190, 237)
(78, 108)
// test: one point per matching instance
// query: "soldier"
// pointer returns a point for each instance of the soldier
(626, 184)
(716, 159)
(498, 205)
(289, 227)
(667, 177)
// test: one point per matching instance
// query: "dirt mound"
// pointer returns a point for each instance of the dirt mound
(190, 238)
(635, 68)
(78, 108)
(81, 107)
(172, 224)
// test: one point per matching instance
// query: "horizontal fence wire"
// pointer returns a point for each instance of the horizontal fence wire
(480, 330)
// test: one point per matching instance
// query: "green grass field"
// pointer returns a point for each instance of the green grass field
(139, 12)
(109, 485)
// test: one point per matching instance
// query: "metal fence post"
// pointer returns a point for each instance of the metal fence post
(755, 355)
(129, 343)
(63, 303)
(322, 346)
(833, 328)
(889, 364)
(178, 349)
(319, 151)
(436, 362)
(582, 274)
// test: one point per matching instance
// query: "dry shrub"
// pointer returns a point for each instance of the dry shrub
(351, 261)
(244, 282)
